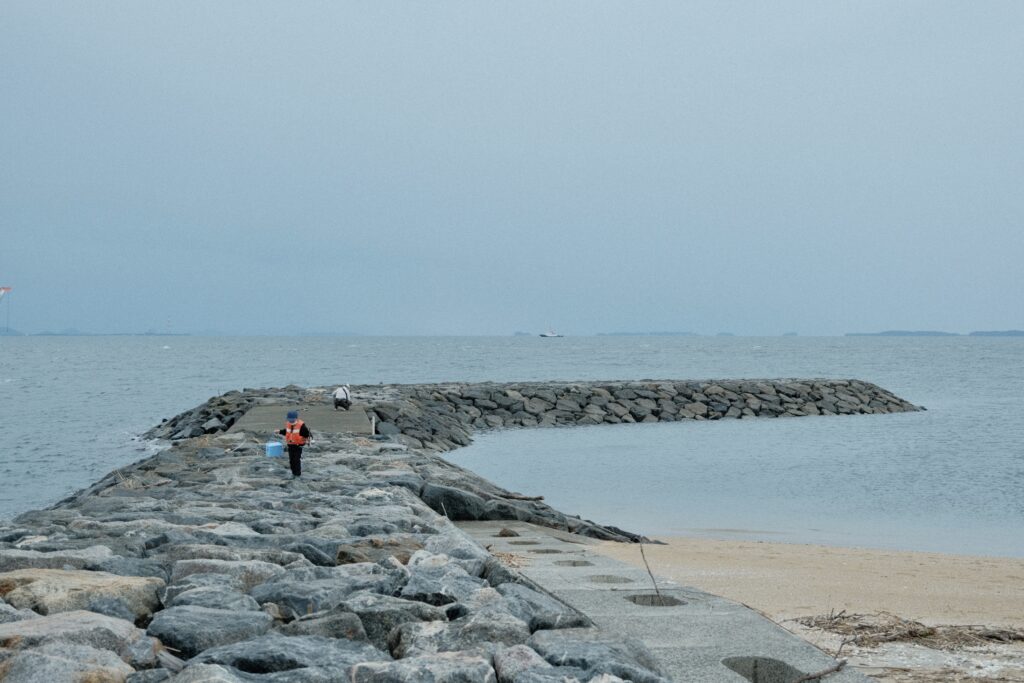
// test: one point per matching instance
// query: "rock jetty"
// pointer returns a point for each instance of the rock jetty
(441, 417)
(207, 563)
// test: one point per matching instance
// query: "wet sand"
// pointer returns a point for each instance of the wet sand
(785, 581)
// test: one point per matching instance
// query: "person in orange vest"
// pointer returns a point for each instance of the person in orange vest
(296, 435)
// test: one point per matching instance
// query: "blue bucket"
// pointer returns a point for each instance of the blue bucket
(275, 449)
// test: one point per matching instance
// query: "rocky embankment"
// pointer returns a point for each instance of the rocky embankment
(444, 416)
(207, 563)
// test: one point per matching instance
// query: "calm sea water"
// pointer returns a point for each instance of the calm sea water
(949, 479)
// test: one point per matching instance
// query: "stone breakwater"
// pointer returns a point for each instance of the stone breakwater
(207, 563)
(442, 417)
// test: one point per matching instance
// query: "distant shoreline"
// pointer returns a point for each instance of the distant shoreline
(887, 333)
(932, 333)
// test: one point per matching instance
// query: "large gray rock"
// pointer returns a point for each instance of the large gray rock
(388, 429)
(59, 661)
(274, 653)
(497, 573)
(407, 479)
(191, 630)
(435, 580)
(83, 628)
(130, 566)
(215, 598)
(510, 663)
(381, 614)
(520, 664)
(376, 548)
(149, 676)
(206, 551)
(598, 653)
(563, 674)
(221, 582)
(541, 611)
(460, 548)
(483, 631)
(446, 667)
(538, 406)
(249, 573)
(9, 614)
(318, 589)
(48, 591)
(453, 503)
(12, 559)
(210, 673)
(696, 408)
(336, 623)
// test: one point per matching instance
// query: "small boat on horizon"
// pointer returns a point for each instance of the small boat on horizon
(551, 333)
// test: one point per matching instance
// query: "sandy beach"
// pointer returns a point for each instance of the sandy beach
(791, 581)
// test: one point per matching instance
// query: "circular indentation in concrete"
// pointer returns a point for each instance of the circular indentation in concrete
(546, 551)
(649, 600)
(608, 578)
(764, 669)
(574, 563)
(524, 542)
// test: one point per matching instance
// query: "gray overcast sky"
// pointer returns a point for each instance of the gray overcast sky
(481, 168)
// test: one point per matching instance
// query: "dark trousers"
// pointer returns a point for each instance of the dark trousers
(295, 459)
(343, 402)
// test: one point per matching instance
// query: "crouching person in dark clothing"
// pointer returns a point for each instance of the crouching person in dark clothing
(296, 435)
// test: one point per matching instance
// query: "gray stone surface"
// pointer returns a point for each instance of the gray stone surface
(512, 663)
(56, 662)
(381, 614)
(336, 623)
(216, 582)
(279, 653)
(12, 559)
(539, 610)
(9, 614)
(317, 589)
(48, 591)
(249, 573)
(211, 673)
(598, 652)
(149, 676)
(190, 629)
(83, 628)
(445, 667)
(436, 581)
(480, 631)
(215, 598)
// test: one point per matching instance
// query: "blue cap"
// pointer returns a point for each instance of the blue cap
(293, 415)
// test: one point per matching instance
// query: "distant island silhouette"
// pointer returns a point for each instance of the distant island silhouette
(932, 333)
(998, 333)
(904, 333)
(647, 334)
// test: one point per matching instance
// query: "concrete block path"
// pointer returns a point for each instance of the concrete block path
(321, 419)
(690, 639)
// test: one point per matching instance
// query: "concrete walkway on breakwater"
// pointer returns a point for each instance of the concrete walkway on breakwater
(321, 419)
(702, 638)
